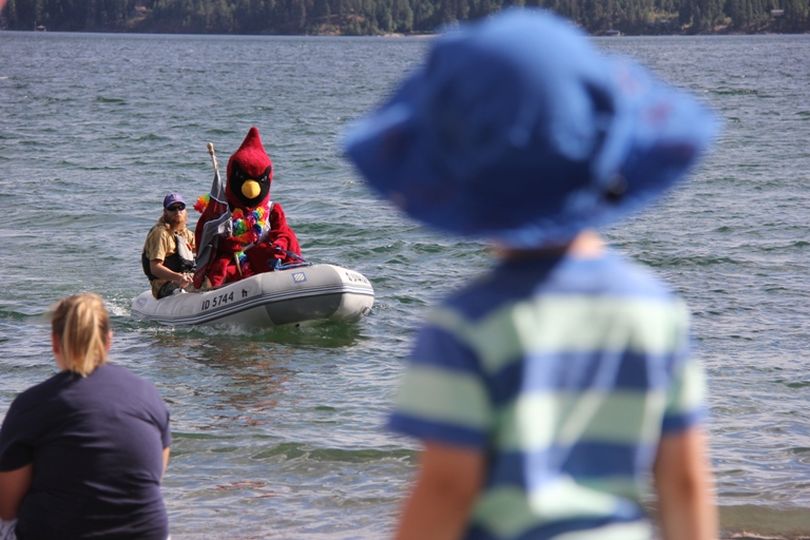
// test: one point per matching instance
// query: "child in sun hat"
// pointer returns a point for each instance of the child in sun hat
(548, 392)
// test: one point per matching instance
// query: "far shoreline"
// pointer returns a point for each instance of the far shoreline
(397, 35)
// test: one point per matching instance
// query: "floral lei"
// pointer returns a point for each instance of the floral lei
(246, 227)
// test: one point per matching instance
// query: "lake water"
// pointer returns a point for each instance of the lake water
(278, 434)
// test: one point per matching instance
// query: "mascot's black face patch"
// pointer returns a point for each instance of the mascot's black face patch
(250, 191)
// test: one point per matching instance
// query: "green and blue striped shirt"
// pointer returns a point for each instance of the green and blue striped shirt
(565, 372)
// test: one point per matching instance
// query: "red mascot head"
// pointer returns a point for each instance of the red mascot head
(250, 172)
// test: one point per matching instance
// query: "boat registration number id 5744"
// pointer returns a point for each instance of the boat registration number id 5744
(216, 301)
(247, 290)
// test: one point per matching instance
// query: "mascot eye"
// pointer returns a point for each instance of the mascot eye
(240, 176)
(265, 175)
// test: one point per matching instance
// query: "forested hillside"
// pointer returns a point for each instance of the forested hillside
(355, 17)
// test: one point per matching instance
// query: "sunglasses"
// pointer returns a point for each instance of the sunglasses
(176, 208)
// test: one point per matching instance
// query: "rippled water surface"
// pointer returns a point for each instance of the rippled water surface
(278, 434)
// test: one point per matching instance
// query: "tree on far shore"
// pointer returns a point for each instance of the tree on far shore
(396, 16)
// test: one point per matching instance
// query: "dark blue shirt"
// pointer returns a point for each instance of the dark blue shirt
(96, 446)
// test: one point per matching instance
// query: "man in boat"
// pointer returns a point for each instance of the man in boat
(168, 253)
(241, 231)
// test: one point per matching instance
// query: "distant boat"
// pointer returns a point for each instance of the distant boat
(611, 32)
(40, 28)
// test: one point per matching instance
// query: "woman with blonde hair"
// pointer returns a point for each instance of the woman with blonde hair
(82, 454)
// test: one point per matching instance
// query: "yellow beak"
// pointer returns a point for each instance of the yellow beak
(251, 189)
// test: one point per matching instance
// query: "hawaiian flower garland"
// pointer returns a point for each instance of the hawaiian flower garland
(202, 203)
(247, 227)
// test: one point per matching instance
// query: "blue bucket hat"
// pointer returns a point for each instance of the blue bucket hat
(516, 129)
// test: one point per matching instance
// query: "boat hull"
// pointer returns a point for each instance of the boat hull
(292, 296)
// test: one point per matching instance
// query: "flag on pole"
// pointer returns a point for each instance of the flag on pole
(214, 223)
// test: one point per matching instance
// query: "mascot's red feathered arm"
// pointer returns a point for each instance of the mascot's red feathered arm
(282, 235)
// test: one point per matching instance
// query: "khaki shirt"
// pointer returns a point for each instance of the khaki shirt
(160, 245)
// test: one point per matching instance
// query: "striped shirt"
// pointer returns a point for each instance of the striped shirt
(565, 372)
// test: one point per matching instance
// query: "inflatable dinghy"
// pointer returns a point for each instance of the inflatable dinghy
(305, 293)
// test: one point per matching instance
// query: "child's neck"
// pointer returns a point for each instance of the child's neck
(585, 245)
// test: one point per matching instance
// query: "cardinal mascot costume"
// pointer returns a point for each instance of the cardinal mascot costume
(247, 233)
